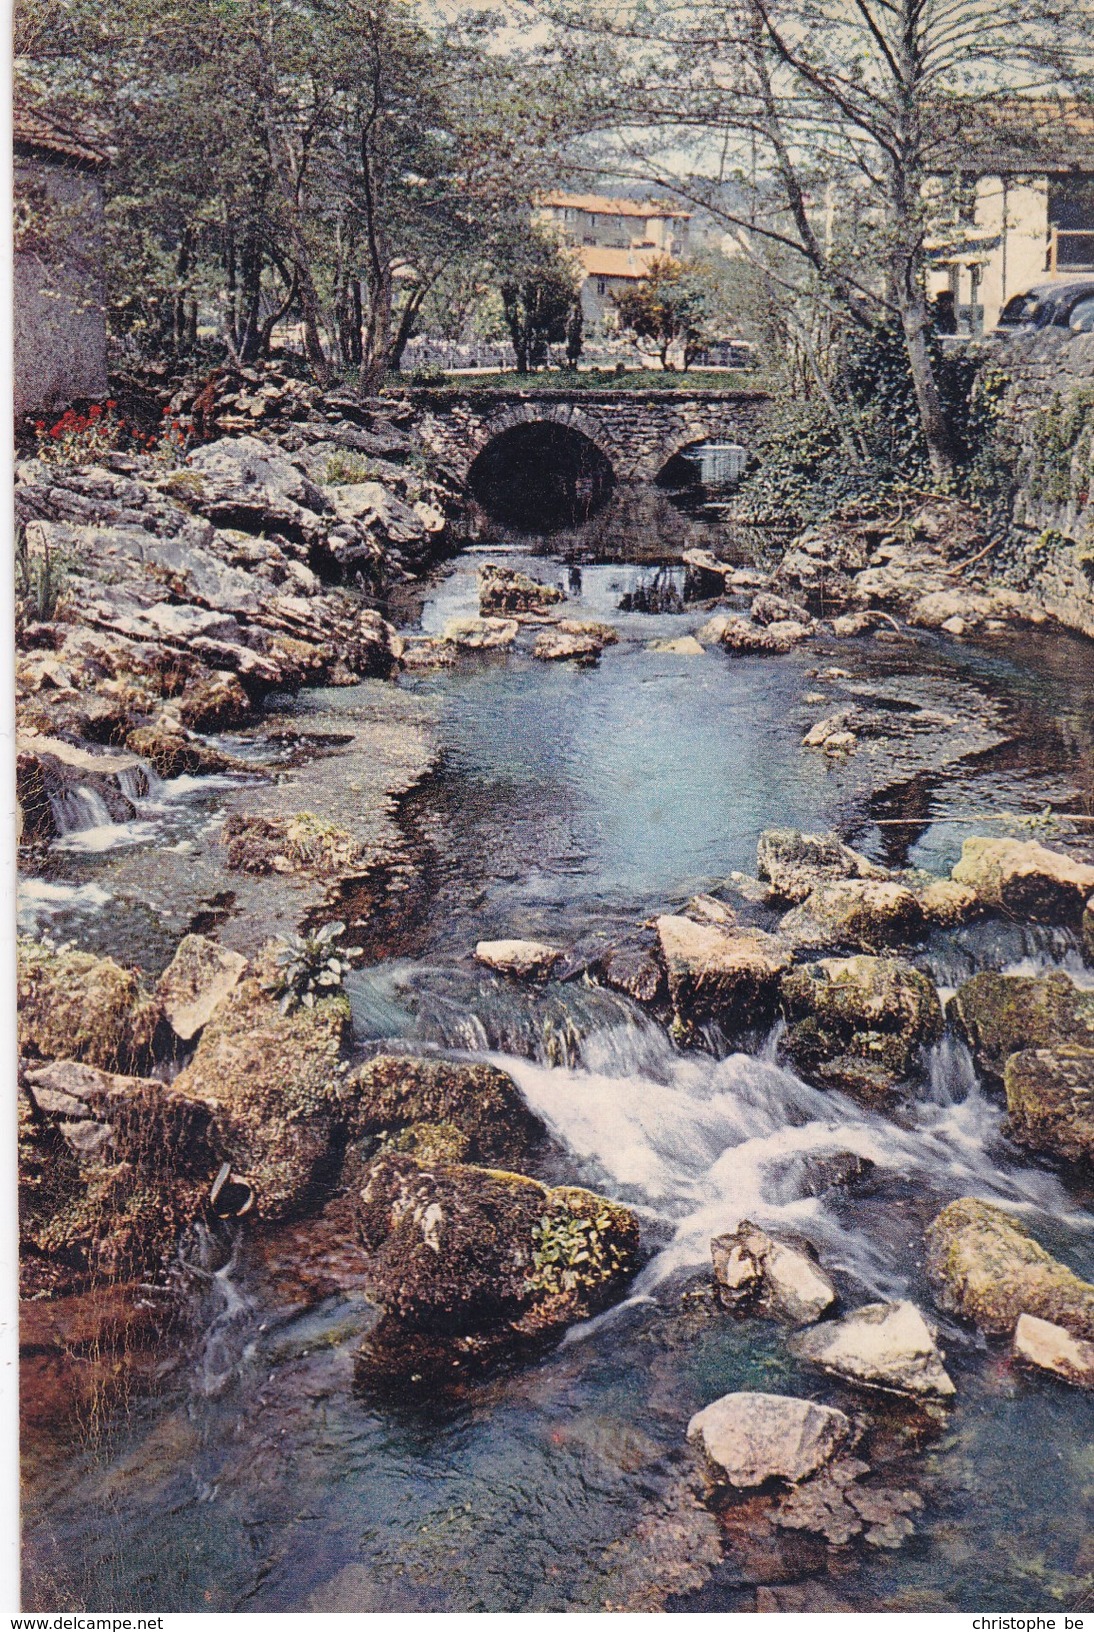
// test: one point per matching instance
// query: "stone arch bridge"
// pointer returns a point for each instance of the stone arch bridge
(637, 432)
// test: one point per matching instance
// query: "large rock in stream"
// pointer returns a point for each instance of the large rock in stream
(888, 1346)
(275, 1087)
(858, 1023)
(1050, 1097)
(722, 973)
(751, 1438)
(1024, 879)
(458, 1251)
(855, 912)
(73, 1005)
(392, 1092)
(756, 1271)
(1000, 1015)
(506, 591)
(795, 863)
(989, 1269)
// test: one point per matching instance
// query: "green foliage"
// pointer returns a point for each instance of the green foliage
(669, 309)
(573, 1254)
(344, 469)
(540, 289)
(39, 580)
(309, 968)
(1061, 443)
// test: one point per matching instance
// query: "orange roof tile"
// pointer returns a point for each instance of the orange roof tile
(647, 209)
(599, 262)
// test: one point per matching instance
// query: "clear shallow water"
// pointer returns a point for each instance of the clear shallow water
(570, 800)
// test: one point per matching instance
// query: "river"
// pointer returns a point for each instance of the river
(567, 802)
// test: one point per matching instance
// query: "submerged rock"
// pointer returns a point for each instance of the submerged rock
(999, 1015)
(795, 863)
(302, 844)
(754, 1269)
(1025, 879)
(273, 1085)
(986, 1267)
(858, 1023)
(633, 967)
(199, 976)
(862, 913)
(721, 973)
(395, 1091)
(525, 960)
(751, 1438)
(882, 1345)
(1051, 1348)
(1050, 1097)
(73, 1005)
(501, 589)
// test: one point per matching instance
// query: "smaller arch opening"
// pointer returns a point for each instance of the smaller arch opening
(541, 477)
(707, 467)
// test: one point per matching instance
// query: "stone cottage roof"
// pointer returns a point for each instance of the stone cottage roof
(39, 134)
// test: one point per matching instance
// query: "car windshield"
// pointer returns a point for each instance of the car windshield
(1081, 320)
(1020, 309)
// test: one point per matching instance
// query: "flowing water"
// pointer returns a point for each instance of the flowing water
(569, 802)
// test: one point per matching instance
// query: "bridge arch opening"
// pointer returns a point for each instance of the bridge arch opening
(541, 477)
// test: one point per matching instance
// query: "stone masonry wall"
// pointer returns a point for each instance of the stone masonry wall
(1049, 404)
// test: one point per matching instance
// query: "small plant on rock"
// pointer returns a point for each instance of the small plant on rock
(309, 968)
(573, 1254)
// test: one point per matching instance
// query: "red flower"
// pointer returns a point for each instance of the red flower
(39, 424)
(110, 403)
(94, 411)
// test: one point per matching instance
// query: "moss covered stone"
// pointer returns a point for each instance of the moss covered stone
(1000, 1014)
(1025, 879)
(985, 1266)
(394, 1091)
(863, 913)
(276, 1091)
(857, 1023)
(73, 1005)
(1050, 1097)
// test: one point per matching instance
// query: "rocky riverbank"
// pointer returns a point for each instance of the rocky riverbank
(176, 1118)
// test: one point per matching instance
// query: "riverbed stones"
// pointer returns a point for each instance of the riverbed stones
(999, 1015)
(888, 1346)
(393, 1091)
(794, 863)
(985, 1266)
(524, 960)
(1050, 1098)
(73, 1005)
(1025, 879)
(481, 634)
(722, 973)
(741, 635)
(755, 1270)
(948, 903)
(859, 1023)
(198, 978)
(504, 590)
(1051, 1348)
(632, 966)
(302, 844)
(274, 1088)
(855, 912)
(751, 1438)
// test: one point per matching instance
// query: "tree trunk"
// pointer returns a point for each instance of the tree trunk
(916, 322)
(405, 330)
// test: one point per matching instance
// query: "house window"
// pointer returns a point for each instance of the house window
(602, 286)
(1071, 220)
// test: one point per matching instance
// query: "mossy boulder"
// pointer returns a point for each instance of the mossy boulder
(858, 1023)
(985, 1266)
(214, 702)
(73, 1005)
(456, 1250)
(855, 912)
(1050, 1097)
(998, 1015)
(504, 590)
(275, 1087)
(722, 973)
(795, 863)
(1025, 879)
(396, 1091)
(303, 844)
